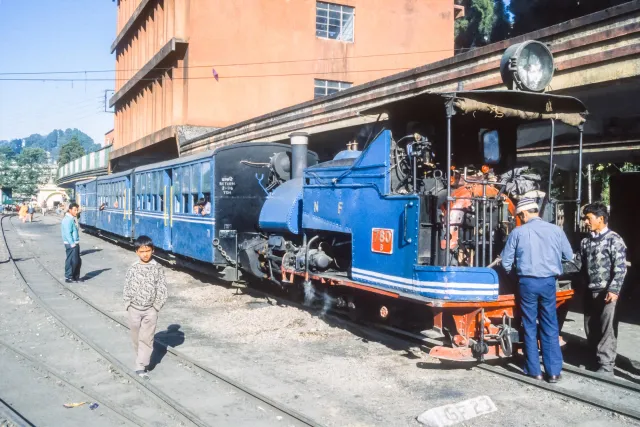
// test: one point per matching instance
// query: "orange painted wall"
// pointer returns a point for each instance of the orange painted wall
(279, 38)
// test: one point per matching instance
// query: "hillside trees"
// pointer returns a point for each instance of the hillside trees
(25, 172)
(70, 151)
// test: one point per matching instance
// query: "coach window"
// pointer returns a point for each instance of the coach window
(150, 188)
(195, 184)
(206, 181)
(137, 188)
(154, 190)
(186, 181)
(143, 191)
(161, 190)
(121, 195)
(177, 196)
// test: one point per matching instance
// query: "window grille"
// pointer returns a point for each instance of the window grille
(334, 21)
(328, 87)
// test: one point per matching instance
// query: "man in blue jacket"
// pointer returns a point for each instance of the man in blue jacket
(71, 240)
(538, 249)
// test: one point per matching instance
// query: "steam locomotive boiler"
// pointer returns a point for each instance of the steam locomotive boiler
(413, 223)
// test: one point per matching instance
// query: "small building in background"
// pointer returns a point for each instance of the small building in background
(108, 138)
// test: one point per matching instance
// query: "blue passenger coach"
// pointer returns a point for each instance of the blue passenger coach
(86, 196)
(159, 200)
(114, 211)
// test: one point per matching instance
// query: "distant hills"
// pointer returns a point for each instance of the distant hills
(52, 142)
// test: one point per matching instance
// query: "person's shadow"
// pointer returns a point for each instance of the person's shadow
(172, 337)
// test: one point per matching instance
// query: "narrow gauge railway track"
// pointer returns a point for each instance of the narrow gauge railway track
(574, 381)
(11, 418)
(384, 332)
(576, 377)
(104, 401)
(183, 412)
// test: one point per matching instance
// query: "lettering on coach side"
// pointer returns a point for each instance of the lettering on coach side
(382, 240)
(227, 184)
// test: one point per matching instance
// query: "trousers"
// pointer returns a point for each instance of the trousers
(143, 328)
(599, 325)
(73, 262)
(538, 303)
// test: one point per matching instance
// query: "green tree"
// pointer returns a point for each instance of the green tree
(476, 27)
(27, 172)
(531, 15)
(70, 151)
(501, 29)
(7, 152)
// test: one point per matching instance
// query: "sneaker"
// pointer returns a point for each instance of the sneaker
(142, 374)
(69, 280)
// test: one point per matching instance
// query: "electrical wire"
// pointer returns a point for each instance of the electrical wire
(79, 79)
(290, 61)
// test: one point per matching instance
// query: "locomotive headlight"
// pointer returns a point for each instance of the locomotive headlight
(527, 66)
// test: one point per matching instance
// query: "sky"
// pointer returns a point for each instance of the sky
(55, 35)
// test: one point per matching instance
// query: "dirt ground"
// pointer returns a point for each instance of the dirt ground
(313, 364)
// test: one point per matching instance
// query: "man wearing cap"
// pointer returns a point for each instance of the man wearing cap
(538, 249)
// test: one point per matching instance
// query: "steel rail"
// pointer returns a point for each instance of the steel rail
(12, 418)
(541, 384)
(52, 372)
(563, 392)
(391, 332)
(279, 407)
(151, 389)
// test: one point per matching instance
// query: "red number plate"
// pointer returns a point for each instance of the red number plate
(382, 240)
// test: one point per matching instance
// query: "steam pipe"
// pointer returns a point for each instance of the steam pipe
(579, 198)
(299, 143)
(447, 231)
(477, 215)
(484, 225)
(491, 231)
(551, 143)
(306, 257)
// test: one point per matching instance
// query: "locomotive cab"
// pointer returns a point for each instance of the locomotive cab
(414, 222)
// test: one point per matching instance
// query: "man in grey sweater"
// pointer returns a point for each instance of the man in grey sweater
(145, 292)
(603, 265)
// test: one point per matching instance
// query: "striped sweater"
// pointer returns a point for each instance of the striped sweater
(145, 286)
(602, 260)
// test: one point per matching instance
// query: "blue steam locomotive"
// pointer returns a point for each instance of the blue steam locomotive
(409, 226)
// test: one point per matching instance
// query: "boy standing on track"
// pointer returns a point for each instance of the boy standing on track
(145, 292)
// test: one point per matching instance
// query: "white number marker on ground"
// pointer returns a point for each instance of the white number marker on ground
(449, 415)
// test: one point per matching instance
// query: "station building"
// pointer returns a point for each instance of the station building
(187, 67)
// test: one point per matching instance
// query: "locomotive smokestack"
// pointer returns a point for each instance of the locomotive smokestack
(299, 142)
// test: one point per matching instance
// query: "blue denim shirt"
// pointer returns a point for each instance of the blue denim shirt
(69, 230)
(538, 248)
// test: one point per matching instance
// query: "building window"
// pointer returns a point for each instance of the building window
(334, 21)
(328, 87)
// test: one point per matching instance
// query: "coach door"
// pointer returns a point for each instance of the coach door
(191, 232)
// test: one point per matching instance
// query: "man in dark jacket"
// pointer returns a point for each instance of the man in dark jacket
(603, 267)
